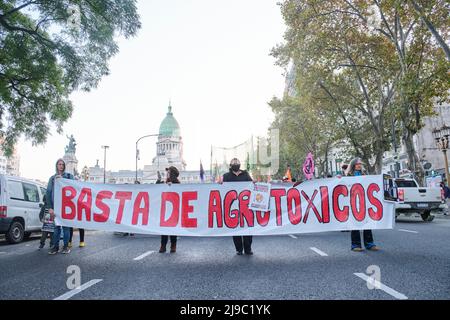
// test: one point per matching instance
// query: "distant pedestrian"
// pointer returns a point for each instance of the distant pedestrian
(356, 169)
(48, 225)
(446, 196)
(60, 173)
(172, 177)
(241, 243)
(344, 168)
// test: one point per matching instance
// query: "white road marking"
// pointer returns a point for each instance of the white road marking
(381, 286)
(323, 254)
(292, 236)
(410, 231)
(142, 256)
(75, 291)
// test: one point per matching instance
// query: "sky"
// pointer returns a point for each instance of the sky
(211, 59)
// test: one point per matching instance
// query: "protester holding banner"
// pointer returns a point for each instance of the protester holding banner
(242, 243)
(172, 177)
(81, 231)
(60, 173)
(356, 169)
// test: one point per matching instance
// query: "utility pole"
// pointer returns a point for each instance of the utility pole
(104, 164)
(394, 144)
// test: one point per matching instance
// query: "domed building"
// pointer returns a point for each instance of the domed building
(169, 148)
(169, 152)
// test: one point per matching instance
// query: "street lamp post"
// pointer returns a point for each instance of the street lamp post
(104, 164)
(137, 151)
(442, 140)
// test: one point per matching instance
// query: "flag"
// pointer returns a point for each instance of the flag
(248, 162)
(202, 172)
(308, 166)
(159, 176)
(288, 174)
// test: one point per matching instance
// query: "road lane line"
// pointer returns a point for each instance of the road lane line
(323, 254)
(381, 286)
(292, 236)
(142, 256)
(75, 291)
(410, 231)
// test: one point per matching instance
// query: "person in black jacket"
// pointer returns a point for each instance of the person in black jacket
(242, 243)
(172, 177)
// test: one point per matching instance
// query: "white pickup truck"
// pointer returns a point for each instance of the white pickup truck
(414, 199)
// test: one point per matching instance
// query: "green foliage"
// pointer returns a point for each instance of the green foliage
(358, 65)
(44, 57)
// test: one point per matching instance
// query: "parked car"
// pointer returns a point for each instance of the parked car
(410, 198)
(20, 203)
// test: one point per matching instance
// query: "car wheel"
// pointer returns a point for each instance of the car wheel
(426, 216)
(15, 233)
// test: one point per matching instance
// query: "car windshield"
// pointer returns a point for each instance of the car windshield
(406, 184)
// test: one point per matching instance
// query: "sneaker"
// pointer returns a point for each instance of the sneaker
(82, 244)
(41, 246)
(358, 249)
(249, 253)
(373, 248)
(53, 251)
(65, 250)
(70, 245)
(239, 253)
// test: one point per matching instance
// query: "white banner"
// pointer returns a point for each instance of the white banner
(348, 203)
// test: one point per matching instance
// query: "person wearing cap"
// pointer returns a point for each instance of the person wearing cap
(355, 169)
(242, 243)
(172, 177)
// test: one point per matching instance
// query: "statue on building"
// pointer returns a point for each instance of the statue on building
(71, 147)
(70, 158)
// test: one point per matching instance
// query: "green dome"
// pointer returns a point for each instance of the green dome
(169, 126)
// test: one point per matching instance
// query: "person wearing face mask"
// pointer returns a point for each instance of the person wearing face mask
(242, 243)
(355, 169)
(172, 177)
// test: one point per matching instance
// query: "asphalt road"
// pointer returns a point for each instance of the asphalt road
(414, 263)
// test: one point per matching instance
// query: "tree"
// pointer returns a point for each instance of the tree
(429, 11)
(366, 63)
(343, 72)
(424, 78)
(49, 48)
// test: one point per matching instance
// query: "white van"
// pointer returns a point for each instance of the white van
(20, 203)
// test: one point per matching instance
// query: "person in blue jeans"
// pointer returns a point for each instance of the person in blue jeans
(355, 169)
(60, 173)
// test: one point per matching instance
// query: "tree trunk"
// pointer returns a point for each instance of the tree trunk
(378, 167)
(413, 160)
